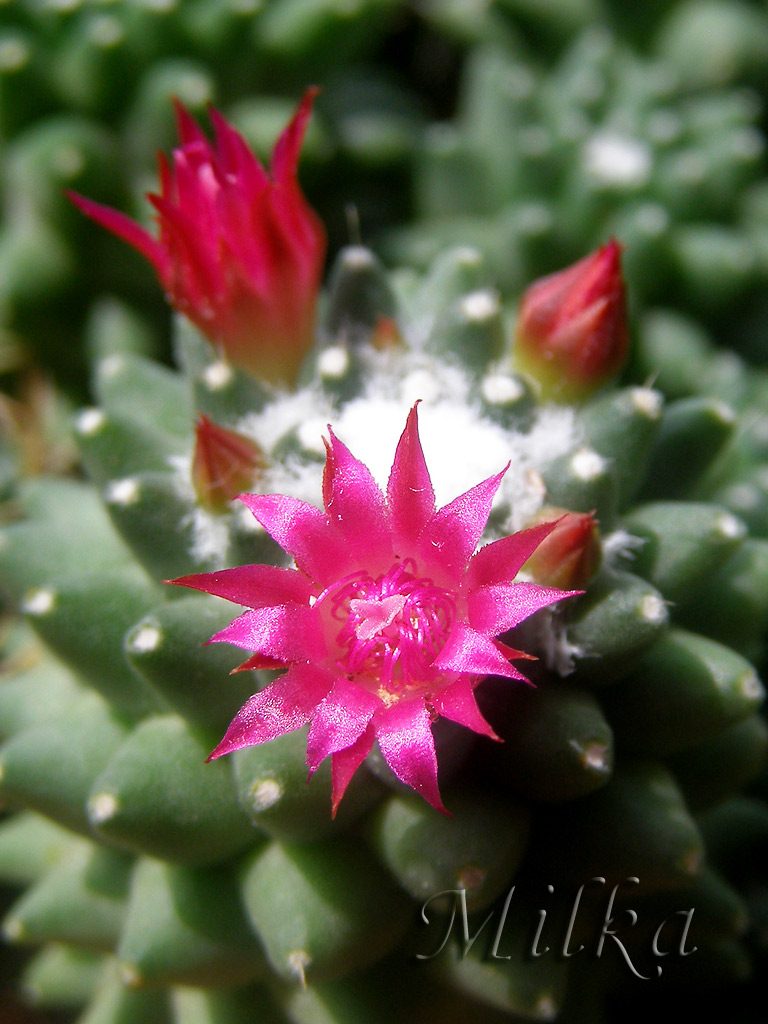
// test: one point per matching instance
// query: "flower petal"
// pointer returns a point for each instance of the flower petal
(405, 738)
(493, 610)
(452, 534)
(458, 703)
(258, 661)
(354, 503)
(285, 155)
(466, 650)
(288, 632)
(303, 531)
(410, 495)
(345, 763)
(126, 229)
(339, 720)
(255, 586)
(501, 561)
(284, 705)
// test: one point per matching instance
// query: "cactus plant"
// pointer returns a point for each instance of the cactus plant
(161, 888)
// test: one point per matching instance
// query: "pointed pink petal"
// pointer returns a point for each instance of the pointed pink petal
(452, 534)
(511, 653)
(303, 531)
(237, 158)
(257, 661)
(199, 281)
(493, 610)
(354, 502)
(458, 703)
(284, 705)
(345, 763)
(502, 560)
(188, 129)
(339, 720)
(410, 496)
(255, 586)
(126, 229)
(288, 632)
(285, 156)
(405, 738)
(465, 650)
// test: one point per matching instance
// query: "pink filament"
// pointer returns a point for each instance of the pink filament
(400, 654)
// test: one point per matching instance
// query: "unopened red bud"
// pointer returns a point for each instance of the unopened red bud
(239, 251)
(224, 464)
(570, 555)
(386, 334)
(572, 334)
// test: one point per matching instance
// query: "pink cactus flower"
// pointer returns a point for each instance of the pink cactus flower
(572, 334)
(389, 620)
(239, 252)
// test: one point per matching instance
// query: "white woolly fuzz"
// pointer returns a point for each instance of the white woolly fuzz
(210, 537)
(460, 445)
(620, 546)
(210, 533)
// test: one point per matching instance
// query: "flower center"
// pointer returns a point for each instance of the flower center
(392, 627)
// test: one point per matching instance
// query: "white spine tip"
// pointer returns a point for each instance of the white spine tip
(298, 961)
(480, 306)
(89, 422)
(111, 366)
(265, 793)
(469, 257)
(102, 807)
(123, 492)
(39, 601)
(750, 686)
(729, 527)
(333, 362)
(587, 465)
(217, 376)
(596, 757)
(357, 257)
(647, 402)
(723, 412)
(145, 638)
(653, 609)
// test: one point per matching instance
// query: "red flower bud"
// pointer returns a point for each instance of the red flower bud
(224, 464)
(239, 251)
(572, 334)
(570, 555)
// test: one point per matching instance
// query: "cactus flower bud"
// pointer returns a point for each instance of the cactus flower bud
(572, 334)
(239, 250)
(224, 464)
(570, 555)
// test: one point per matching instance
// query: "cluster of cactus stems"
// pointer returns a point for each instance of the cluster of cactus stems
(619, 563)
(575, 122)
(604, 142)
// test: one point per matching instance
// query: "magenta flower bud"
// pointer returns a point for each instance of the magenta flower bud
(239, 251)
(572, 334)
